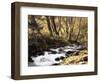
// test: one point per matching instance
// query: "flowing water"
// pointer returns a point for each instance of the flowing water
(53, 56)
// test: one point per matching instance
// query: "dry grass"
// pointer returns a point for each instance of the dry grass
(79, 58)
